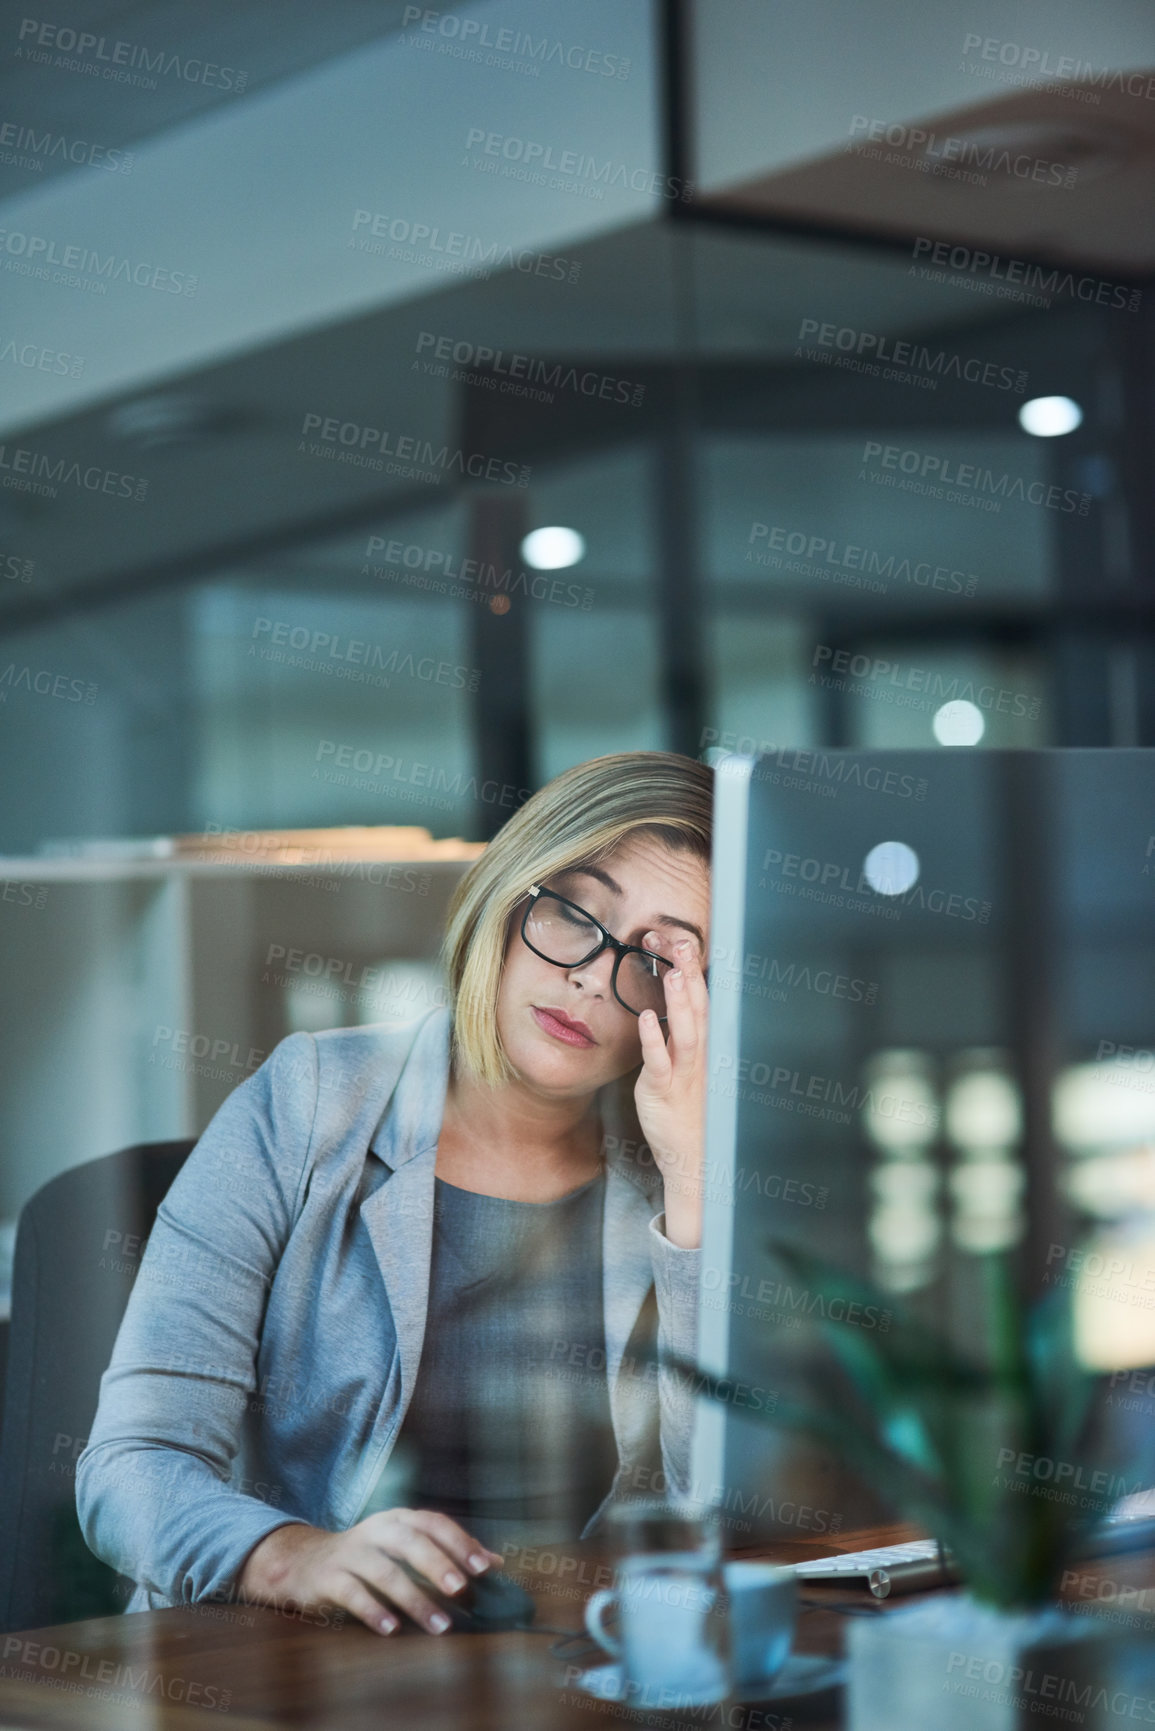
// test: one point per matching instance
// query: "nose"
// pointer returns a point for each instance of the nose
(594, 977)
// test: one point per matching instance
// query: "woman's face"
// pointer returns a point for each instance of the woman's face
(644, 893)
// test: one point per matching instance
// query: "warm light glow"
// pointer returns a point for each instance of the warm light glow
(959, 723)
(1107, 1105)
(986, 1195)
(983, 1110)
(1114, 1278)
(552, 549)
(1050, 417)
(901, 1111)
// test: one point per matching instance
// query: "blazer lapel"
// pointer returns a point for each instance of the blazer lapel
(398, 1214)
(627, 1275)
(398, 1217)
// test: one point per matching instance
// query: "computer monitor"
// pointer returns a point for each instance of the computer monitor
(932, 1035)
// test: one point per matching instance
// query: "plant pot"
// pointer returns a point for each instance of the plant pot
(952, 1664)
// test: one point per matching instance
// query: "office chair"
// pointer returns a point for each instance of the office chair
(78, 1247)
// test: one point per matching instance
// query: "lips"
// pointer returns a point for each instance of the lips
(567, 1029)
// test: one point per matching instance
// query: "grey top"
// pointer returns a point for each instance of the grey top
(273, 1335)
(509, 1429)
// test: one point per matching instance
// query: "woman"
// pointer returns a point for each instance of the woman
(446, 1244)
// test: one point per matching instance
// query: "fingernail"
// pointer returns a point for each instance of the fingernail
(682, 944)
(477, 1562)
(675, 978)
(388, 1625)
(439, 1622)
(452, 1581)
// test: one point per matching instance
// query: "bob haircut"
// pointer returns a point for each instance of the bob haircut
(576, 819)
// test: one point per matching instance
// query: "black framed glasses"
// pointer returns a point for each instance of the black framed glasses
(560, 932)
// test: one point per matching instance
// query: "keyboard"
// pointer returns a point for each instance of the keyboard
(918, 1566)
(909, 1568)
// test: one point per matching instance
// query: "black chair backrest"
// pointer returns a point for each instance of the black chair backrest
(78, 1248)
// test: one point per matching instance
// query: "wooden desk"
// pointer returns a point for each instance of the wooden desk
(250, 1668)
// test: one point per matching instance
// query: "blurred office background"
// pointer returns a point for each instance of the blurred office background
(330, 308)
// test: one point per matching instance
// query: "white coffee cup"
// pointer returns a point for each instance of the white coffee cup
(763, 1608)
(674, 1647)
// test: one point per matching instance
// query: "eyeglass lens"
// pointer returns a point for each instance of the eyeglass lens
(563, 936)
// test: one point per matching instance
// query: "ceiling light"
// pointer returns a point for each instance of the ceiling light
(1050, 417)
(552, 549)
(959, 723)
(170, 418)
(891, 868)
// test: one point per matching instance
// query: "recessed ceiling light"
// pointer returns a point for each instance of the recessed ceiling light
(959, 723)
(1050, 417)
(891, 868)
(552, 549)
(170, 418)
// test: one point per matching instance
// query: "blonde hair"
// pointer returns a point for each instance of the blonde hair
(578, 818)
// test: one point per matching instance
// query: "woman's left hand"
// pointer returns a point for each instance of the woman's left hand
(670, 1093)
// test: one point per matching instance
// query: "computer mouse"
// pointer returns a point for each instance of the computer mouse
(493, 1601)
(486, 1602)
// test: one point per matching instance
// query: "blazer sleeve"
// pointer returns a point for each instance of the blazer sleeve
(152, 1485)
(676, 1274)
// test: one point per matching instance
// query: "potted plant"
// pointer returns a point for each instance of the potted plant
(994, 1454)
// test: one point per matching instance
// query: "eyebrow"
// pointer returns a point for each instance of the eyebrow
(603, 877)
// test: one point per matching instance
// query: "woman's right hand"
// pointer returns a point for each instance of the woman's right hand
(360, 1569)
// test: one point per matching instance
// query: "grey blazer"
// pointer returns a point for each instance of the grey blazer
(273, 1335)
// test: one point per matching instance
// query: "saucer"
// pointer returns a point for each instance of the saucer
(802, 1674)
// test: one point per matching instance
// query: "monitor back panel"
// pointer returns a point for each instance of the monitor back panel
(932, 986)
